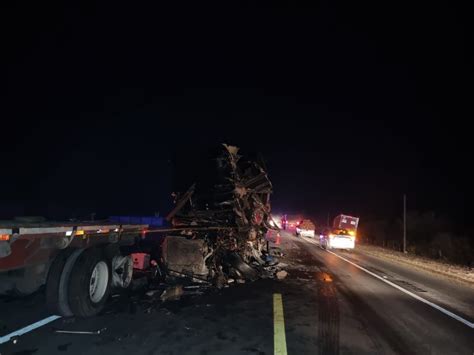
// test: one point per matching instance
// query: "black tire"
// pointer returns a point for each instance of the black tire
(80, 299)
(58, 281)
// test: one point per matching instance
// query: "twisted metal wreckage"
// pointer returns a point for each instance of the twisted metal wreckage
(223, 230)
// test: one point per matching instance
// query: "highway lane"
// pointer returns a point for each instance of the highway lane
(329, 307)
(408, 325)
(452, 294)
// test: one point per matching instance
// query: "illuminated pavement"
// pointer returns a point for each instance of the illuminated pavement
(326, 305)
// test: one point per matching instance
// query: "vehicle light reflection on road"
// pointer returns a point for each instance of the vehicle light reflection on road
(328, 278)
(324, 277)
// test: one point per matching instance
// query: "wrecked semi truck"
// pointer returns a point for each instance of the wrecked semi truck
(216, 233)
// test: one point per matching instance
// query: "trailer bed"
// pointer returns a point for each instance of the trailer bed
(30, 243)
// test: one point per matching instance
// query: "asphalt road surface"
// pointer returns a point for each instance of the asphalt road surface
(330, 303)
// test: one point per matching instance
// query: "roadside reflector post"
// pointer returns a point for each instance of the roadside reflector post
(404, 223)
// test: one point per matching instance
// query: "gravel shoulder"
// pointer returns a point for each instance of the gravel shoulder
(459, 273)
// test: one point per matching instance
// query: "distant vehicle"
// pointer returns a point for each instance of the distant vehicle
(305, 228)
(334, 238)
(293, 223)
(347, 223)
(290, 221)
(284, 222)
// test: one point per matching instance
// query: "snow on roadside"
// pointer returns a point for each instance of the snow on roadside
(457, 272)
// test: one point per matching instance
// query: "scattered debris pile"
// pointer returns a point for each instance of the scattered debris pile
(219, 237)
(222, 229)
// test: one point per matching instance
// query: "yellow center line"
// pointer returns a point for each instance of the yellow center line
(279, 337)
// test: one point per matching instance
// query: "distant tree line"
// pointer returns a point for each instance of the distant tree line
(428, 235)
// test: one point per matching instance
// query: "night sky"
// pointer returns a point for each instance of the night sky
(108, 107)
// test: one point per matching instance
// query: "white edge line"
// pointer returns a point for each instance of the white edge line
(28, 328)
(421, 299)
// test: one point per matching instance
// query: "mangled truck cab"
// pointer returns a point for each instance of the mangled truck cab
(223, 227)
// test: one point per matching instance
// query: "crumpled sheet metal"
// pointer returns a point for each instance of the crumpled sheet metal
(220, 222)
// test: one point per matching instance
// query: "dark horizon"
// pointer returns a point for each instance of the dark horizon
(136, 174)
(349, 110)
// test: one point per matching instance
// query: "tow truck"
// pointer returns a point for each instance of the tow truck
(342, 235)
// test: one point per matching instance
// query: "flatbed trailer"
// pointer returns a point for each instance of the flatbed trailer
(77, 262)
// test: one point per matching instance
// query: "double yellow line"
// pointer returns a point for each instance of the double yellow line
(279, 338)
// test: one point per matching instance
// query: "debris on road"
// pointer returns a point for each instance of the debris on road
(281, 274)
(172, 293)
(139, 284)
(80, 332)
(275, 251)
(151, 293)
(223, 224)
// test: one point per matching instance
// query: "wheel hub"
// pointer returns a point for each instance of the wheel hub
(98, 282)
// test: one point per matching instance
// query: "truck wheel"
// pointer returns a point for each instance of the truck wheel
(58, 281)
(89, 285)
